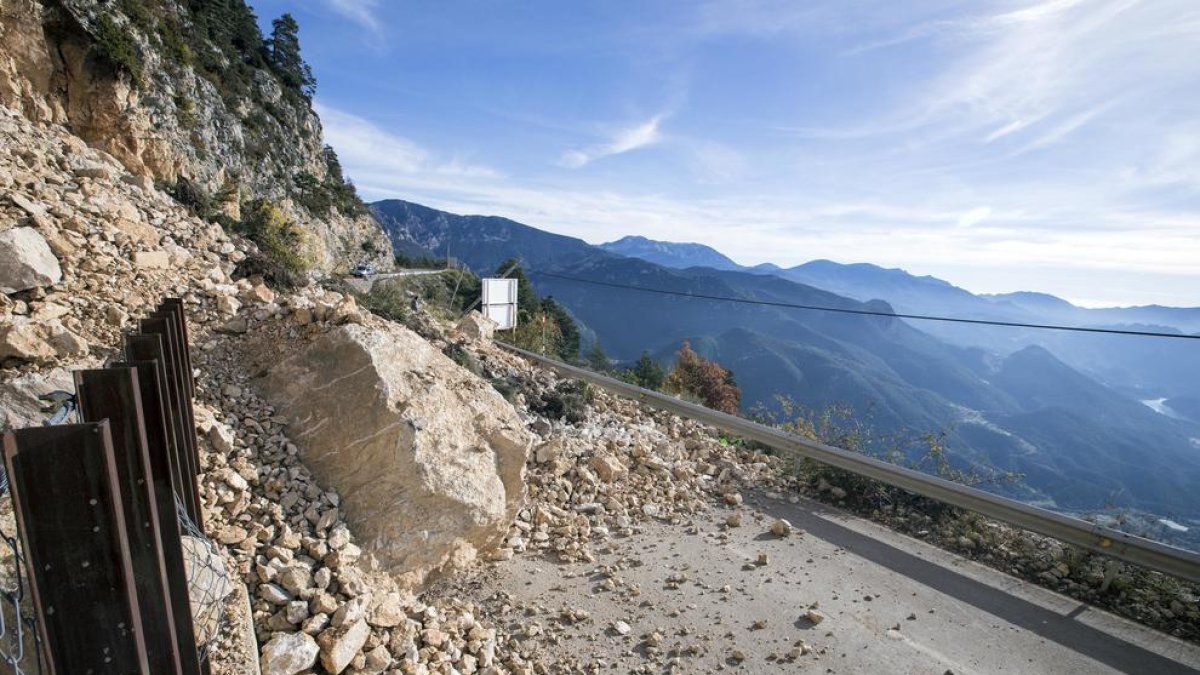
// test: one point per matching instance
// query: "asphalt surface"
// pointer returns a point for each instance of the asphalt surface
(890, 604)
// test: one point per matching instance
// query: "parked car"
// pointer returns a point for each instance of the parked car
(363, 270)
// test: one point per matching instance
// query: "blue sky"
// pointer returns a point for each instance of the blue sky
(1050, 146)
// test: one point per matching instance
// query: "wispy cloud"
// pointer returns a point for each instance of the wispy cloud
(624, 140)
(371, 150)
(363, 12)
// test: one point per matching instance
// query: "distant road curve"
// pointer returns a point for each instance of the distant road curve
(365, 285)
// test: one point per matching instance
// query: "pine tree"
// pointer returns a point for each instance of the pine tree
(597, 359)
(568, 345)
(283, 53)
(647, 373)
(527, 300)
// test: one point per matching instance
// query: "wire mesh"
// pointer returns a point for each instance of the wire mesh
(20, 642)
(207, 581)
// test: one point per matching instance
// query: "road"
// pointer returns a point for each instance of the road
(364, 285)
(891, 604)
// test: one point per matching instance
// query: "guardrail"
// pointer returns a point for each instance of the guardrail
(102, 508)
(1170, 560)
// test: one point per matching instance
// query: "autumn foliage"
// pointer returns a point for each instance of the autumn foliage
(708, 381)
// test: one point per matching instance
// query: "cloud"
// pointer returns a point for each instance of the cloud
(625, 140)
(362, 12)
(974, 216)
(371, 150)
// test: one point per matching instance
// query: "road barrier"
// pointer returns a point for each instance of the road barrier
(1106, 541)
(100, 533)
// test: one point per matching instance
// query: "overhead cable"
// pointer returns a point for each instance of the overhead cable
(868, 312)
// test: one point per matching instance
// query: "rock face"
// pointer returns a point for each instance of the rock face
(429, 458)
(26, 261)
(172, 123)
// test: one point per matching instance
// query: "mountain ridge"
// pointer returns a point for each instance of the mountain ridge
(904, 380)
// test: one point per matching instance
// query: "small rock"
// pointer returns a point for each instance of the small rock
(781, 528)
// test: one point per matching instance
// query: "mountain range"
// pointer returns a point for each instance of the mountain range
(1083, 443)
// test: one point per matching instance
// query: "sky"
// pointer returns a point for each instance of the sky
(1010, 145)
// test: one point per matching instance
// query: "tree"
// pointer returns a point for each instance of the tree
(647, 373)
(706, 380)
(597, 359)
(283, 53)
(528, 303)
(568, 343)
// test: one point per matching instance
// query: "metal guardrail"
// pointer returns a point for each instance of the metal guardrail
(1170, 560)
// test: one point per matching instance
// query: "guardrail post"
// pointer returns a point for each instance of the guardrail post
(179, 381)
(115, 394)
(67, 503)
(151, 384)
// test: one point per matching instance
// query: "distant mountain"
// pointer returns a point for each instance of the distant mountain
(1082, 444)
(481, 242)
(670, 254)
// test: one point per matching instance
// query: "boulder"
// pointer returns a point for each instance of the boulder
(159, 260)
(289, 653)
(340, 645)
(25, 340)
(477, 326)
(26, 261)
(39, 342)
(19, 404)
(430, 458)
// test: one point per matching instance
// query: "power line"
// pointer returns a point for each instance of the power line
(867, 312)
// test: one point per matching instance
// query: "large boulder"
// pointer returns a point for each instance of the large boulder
(429, 458)
(477, 326)
(26, 261)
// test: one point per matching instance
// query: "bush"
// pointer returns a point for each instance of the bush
(193, 196)
(567, 401)
(459, 354)
(646, 372)
(387, 301)
(706, 380)
(279, 239)
(116, 47)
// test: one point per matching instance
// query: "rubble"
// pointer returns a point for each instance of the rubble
(26, 261)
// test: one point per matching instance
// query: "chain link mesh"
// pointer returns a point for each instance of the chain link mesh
(207, 581)
(20, 641)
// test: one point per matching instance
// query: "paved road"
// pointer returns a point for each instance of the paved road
(892, 605)
(365, 285)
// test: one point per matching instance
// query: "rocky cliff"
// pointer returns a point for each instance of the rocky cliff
(183, 93)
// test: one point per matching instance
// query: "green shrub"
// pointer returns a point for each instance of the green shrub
(185, 111)
(193, 196)
(459, 354)
(386, 300)
(279, 239)
(567, 401)
(117, 47)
